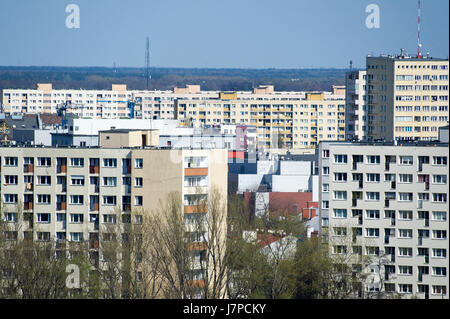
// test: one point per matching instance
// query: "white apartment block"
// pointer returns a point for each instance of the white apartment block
(355, 109)
(407, 97)
(393, 200)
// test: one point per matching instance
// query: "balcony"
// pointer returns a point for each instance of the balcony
(61, 169)
(192, 209)
(28, 168)
(393, 185)
(28, 206)
(196, 171)
(93, 207)
(61, 206)
(94, 169)
(126, 207)
(386, 203)
(29, 187)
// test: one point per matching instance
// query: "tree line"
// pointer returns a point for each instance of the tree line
(219, 250)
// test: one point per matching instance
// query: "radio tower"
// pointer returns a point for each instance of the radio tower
(418, 32)
(147, 62)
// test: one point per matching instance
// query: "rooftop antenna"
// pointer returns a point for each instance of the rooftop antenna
(147, 61)
(419, 45)
(351, 65)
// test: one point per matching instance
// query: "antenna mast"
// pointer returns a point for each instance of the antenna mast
(147, 61)
(418, 32)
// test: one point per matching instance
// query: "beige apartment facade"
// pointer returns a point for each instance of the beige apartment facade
(407, 97)
(294, 121)
(69, 195)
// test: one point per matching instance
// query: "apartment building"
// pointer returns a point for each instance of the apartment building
(355, 110)
(407, 97)
(391, 201)
(71, 194)
(83, 103)
(297, 120)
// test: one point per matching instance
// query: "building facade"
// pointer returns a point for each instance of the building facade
(392, 202)
(355, 96)
(71, 194)
(407, 97)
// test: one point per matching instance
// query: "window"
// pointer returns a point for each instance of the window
(406, 160)
(405, 178)
(439, 216)
(406, 197)
(110, 181)
(325, 188)
(109, 200)
(109, 219)
(43, 199)
(138, 163)
(372, 250)
(77, 161)
(405, 288)
(372, 177)
(10, 161)
(405, 233)
(76, 218)
(138, 181)
(43, 218)
(439, 179)
(44, 161)
(340, 213)
(405, 270)
(340, 159)
(439, 253)
(439, 197)
(339, 249)
(439, 234)
(10, 198)
(439, 271)
(326, 153)
(10, 217)
(374, 196)
(372, 232)
(43, 236)
(76, 199)
(405, 215)
(10, 179)
(325, 204)
(340, 195)
(340, 177)
(405, 251)
(138, 219)
(439, 160)
(138, 200)
(77, 180)
(109, 162)
(340, 231)
(60, 217)
(325, 170)
(372, 214)
(76, 237)
(439, 290)
(373, 159)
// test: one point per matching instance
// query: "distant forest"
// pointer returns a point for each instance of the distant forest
(166, 78)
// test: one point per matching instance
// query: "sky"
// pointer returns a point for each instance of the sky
(217, 33)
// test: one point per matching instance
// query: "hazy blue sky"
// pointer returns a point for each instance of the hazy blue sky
(216, 33)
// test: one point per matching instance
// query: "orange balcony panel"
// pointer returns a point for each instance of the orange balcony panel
(196, 246)
(195, 171)
(196, 283)
(193, 209)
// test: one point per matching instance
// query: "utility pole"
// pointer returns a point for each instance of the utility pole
(147, 63)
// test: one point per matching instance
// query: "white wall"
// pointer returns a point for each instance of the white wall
(295, 168)
(290, 183)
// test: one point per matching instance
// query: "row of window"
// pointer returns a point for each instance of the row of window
(402, 233)
(74, 161)
(405, 215)
(402, 196)
(403, 178)
(376, 159)
(74, 199)
(402, 251)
